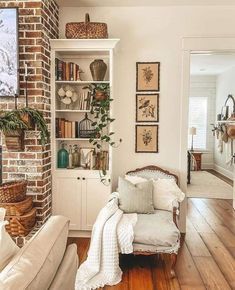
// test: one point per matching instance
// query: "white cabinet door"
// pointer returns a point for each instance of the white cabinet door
(67, 200)
(94, 197)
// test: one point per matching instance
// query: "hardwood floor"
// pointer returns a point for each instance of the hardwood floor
(206, 259)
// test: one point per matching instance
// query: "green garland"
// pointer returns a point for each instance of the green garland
(12, 121)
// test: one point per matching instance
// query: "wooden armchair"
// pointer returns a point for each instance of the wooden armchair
(166, 226)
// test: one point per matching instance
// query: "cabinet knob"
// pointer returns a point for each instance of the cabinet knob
(78, 178)
(83, 178)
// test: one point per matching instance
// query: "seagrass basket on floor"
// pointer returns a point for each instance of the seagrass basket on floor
(18, 208)
(13, 191)
(20, 226)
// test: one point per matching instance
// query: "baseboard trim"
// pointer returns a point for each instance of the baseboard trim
(207, 166)
(223, 171)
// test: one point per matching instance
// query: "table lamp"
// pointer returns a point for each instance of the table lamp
(193, 132)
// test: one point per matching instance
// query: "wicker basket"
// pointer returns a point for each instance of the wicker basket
(21, 225)
(18, 208)
(14, 191)
(86, 29)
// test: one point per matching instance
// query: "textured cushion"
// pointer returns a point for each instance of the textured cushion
(165, 193)
(157, 229)
(7, 246)
(66, 274)
(136, 198)
(135, 179)
(36, 264)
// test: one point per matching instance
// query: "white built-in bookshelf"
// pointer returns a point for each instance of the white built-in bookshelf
(78, 192)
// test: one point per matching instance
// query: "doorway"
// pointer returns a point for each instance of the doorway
(211, 123)
(192, 45)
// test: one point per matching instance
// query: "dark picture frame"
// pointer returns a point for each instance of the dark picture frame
(148, 76)
(9, 51)
(147, 108)
(146, 138)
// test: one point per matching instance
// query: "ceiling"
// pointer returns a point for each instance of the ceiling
(104, 3)
(211, 64)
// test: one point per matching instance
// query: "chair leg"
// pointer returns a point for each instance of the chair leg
(173, 263)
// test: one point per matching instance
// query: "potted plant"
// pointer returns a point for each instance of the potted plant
(99, 91)
(102, 120)
(13, 125)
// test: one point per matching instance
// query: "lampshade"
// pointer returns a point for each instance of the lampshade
(192, 131)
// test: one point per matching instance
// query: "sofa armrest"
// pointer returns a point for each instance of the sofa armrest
(66, 274)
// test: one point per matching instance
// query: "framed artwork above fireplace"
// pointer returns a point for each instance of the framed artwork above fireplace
(9, 62)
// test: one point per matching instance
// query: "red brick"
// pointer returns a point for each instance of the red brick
(33, 4)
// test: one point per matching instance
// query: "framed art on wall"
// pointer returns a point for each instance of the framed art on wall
(146, 138)
(9, 82)
(147, 107)
(148, 76)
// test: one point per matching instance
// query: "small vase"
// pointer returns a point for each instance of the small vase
(98, 69)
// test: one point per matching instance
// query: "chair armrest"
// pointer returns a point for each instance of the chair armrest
(176, 211)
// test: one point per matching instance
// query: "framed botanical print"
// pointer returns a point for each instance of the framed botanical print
(147, 107)
(9, 81)
(148, 76)
(146, 139)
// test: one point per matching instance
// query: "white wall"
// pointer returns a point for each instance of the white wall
(205, 86)
(225, 85)
(152, 34)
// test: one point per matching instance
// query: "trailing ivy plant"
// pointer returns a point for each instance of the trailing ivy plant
(102, 120)
(14, 121)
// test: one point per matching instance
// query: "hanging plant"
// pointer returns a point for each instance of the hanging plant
(102, 120)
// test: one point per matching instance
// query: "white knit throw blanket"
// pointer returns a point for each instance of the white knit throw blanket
(112, 233)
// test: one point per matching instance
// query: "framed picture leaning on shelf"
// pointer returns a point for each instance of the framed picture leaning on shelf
(9, 63)
(148, 76)
(147, 107)
(146, 138)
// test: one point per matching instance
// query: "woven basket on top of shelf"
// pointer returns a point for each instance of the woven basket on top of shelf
(21, 225)
(18, 208)
(14, 191)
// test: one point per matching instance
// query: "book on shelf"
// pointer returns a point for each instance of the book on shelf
(85, 101)
(66, 71)
(67, 129)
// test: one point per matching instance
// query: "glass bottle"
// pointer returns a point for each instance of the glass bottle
(70, 165)
(62, 157)
(76, 156)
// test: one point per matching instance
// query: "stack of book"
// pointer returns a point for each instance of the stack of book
(102, 160)
(84, 102)
(66, 129)
(66, 71)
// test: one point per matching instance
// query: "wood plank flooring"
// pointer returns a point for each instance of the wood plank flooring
(206, 259)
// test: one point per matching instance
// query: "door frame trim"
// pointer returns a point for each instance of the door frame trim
(195, 45)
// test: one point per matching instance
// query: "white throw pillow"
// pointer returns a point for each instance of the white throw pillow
(135, 179)
(165, 193)
(7, 246)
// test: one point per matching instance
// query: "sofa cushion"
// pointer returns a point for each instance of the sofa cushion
(157, 229)
(135, 198)
(35, 265)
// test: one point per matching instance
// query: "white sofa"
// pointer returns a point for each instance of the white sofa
(45, 262)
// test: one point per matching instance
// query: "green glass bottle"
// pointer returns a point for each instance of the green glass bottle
(62, 157)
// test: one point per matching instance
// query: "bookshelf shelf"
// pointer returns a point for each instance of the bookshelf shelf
(82, 82)
(72, 111)
(73, 139)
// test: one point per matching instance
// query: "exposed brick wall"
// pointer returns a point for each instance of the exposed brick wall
(38, 22)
